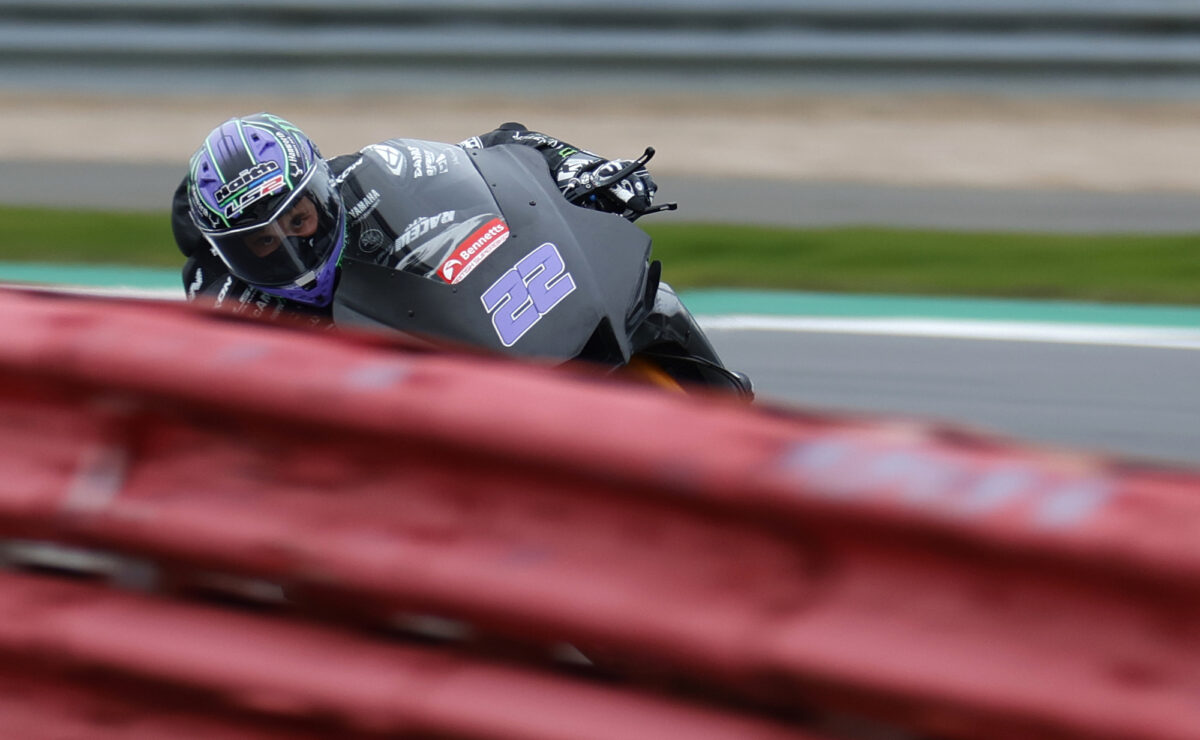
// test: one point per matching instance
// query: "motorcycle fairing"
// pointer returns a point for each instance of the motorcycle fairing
(605, 256)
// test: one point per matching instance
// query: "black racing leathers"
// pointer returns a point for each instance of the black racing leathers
(204, 274)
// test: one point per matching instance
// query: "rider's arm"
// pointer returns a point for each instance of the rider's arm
(204, 274)
(567, 162)
(561, 157)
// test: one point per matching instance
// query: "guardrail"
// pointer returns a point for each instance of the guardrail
(387, 540)
(1107, 36)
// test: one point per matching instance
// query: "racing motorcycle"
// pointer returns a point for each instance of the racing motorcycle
(498, 258)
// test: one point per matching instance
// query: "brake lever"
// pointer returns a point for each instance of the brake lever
(586, 184)
(627, 170)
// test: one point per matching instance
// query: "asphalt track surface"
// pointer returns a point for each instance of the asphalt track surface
(772, 202)
(1135, 401)
(1130, 401)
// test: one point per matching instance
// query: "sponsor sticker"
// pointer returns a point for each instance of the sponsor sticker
(430, 162)
(392, 158)
(364, 206)
(960, 484)
(197, 283)
(250, 186)
(473, 250)
(371, 240)
(423, 225)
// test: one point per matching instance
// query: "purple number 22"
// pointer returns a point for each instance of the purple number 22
(527, 292)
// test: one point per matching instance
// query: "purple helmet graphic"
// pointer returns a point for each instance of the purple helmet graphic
(268, 204)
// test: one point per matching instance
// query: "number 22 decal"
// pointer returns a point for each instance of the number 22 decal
(527, 292)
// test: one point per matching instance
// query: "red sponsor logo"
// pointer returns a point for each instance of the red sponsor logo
(473, 250)
(272, 186)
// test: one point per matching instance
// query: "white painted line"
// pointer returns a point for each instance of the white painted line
(1011, 331)
(111, 292)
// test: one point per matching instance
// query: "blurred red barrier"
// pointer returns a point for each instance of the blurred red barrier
(190, 665)
(922, 578)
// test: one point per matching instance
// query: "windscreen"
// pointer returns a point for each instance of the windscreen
(423, 208)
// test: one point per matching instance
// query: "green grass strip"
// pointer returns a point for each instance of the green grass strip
(1125, 268)
(1108, 268)
(87, 237)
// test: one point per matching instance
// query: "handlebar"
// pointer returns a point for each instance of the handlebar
(587, 183)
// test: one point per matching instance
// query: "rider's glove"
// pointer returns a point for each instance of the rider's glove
(634, 193)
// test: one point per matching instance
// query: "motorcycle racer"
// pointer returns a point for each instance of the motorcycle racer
(264, 220)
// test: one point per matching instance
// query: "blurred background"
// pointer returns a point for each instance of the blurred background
(934, 121)
(1059, 95)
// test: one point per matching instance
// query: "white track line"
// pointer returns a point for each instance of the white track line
(1012, 331)
(113, 292)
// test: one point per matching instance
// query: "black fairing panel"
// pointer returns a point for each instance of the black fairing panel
(670, 336)
(605, 255)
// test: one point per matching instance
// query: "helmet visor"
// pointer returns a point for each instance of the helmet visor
(293, 243)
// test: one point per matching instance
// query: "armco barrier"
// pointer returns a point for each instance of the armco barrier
(731, 571)
(1106, 38)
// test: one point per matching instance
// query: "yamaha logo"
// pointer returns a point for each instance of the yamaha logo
(371, 240)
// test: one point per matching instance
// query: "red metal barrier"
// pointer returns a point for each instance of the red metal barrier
(805, 567)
